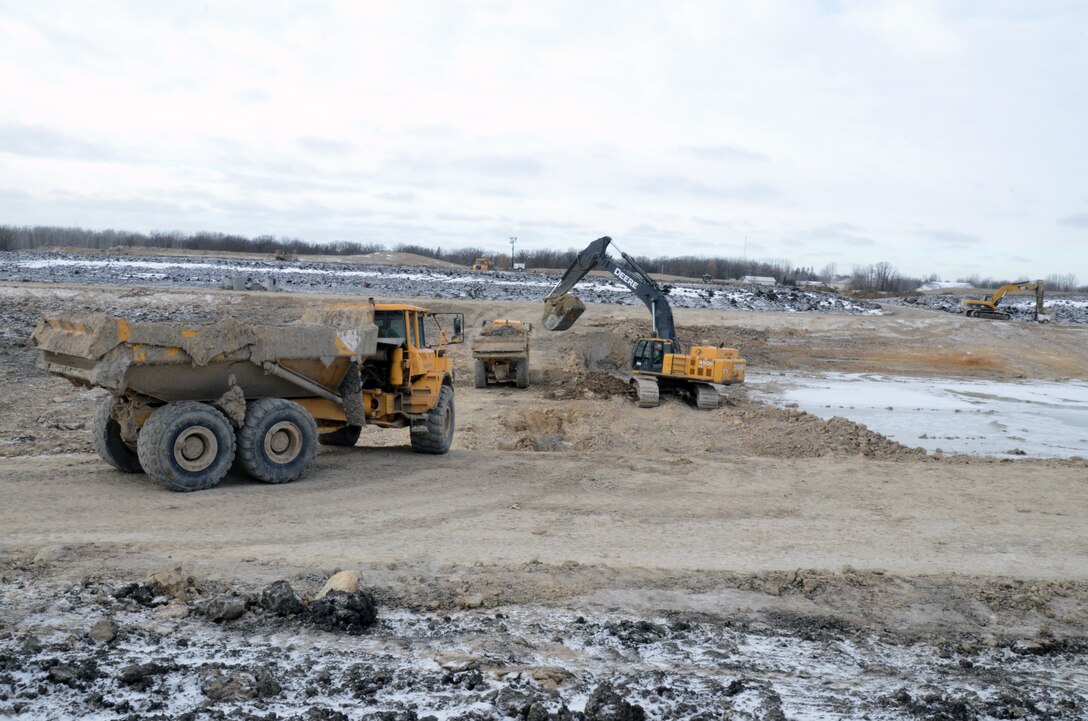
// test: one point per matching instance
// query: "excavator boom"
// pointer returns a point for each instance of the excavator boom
(562, 309)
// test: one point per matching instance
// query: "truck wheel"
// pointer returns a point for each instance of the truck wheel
(346, 436)
(440, 425)
(278, 440)
(106, 435)
(521, 373)
(481, 374)
(188, 446)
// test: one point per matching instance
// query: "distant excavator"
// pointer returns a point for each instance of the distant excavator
(988, 308)
(657, 362)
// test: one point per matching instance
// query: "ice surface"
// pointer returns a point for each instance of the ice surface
(977, 417)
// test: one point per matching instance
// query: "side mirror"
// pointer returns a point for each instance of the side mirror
(458, 326)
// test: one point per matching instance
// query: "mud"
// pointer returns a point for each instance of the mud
(273, 658)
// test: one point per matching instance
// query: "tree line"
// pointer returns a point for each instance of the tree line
(690, 266)
(880, 277)
(43, 236)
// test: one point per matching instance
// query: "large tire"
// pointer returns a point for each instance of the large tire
(441, 422)
(346, 436)
(278, 441)
(188, 446)
(106, 435)
(480, 378)
(521, 373)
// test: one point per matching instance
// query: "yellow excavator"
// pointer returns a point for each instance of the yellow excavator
(987, 308)
(657, 362)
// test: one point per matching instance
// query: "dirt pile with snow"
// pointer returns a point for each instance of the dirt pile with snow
(390, 279)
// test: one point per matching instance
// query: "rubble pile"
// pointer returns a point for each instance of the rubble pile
(399, 281)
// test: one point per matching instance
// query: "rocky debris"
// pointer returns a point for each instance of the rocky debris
(398, 281)
(605, 704)
(344, 581)
(139, 594)
(170, 581)
(142, 676)
(684, 665)
(224, 609)
(281, 599)
(103, 631)
(350, 613)
(235, 686)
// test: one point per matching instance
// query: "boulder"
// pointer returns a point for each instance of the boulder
(345, 581)
(279, 598)
(103, 631)
(224, 608)
(349, 613)
(169, 581)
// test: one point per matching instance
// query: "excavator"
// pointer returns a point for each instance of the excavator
(657, 362)
(988, 308)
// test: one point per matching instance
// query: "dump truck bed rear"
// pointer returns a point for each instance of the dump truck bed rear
(171, 361)
(501, 347)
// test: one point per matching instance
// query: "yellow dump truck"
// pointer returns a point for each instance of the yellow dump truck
(501, 353)
(187, 401)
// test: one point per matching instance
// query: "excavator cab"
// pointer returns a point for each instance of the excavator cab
(649, 355)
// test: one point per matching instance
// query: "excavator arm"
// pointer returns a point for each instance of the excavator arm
(563, 309)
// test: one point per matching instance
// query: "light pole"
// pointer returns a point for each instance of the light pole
(513, 241)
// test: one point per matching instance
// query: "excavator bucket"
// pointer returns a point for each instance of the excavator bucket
(561, 311)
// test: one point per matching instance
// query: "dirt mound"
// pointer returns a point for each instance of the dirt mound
(588, 384)
(542, 430)
(603, 350)
(790, 433)
(492, 330)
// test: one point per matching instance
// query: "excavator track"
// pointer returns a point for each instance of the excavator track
(707, 397)
(648, 395)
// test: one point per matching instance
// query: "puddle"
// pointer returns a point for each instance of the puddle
(986, 418)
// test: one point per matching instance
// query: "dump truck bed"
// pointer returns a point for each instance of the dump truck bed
(201, 362)
(501, 341)
(501, 346)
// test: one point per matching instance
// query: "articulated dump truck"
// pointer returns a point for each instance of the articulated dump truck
(188, 402)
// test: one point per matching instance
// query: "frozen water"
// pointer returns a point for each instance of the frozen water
(956, 415)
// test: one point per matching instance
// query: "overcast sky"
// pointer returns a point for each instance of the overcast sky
(945, 137)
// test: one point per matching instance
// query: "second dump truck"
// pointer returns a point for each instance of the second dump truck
(188, 401)
(501, 353)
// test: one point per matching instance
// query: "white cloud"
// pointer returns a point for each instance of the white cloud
(684, 126)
